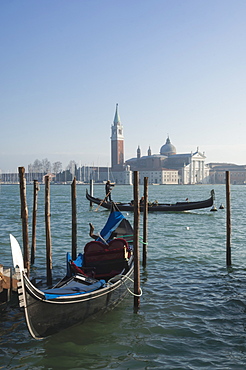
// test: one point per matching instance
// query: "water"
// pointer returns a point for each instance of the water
(193, 309)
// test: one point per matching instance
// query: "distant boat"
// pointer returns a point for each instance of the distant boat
(156, 206)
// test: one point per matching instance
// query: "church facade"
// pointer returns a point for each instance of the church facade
(187, 168)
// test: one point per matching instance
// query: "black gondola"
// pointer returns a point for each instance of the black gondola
(96, 282)
(155, 206)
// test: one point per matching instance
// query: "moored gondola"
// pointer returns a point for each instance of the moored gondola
(156, 206)
(95, 282)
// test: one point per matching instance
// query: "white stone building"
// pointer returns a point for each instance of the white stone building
(191, 167)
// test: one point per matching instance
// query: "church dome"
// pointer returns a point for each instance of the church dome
(168, 148)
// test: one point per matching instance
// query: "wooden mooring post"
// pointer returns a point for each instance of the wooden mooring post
(145, 222)
(228, 220)
(136, 243)
(34, 219)
(74, 220)
(91, 191)
(48, 231)
(24, 218)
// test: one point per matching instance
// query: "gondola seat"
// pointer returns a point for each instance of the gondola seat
(106, 260)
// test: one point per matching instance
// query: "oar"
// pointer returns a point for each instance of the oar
(102, 201)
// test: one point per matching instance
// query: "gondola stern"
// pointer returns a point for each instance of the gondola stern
(213, 195)
(18, 264)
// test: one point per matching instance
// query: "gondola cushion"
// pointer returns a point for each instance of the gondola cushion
(107, 259)
(97, 251)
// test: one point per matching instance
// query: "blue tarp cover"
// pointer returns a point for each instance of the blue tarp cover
(111, 224)
(73, 288)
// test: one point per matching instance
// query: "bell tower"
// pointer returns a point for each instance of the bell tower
(117, 142)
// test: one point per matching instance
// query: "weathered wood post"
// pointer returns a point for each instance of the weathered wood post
(34, 219)
(74, 220)
(136, 243)
(228, 220)
(48, 231)
(24, 217)
(145, 222)
(91, 191)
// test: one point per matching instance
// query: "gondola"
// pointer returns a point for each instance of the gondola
(155, 206)
(95, 282)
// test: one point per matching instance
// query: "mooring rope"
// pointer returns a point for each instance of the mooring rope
(141, 239)
(129, 290)
(130, 241)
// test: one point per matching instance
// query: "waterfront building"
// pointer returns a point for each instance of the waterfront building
(161, 177)
(188, 168)
(218, 173)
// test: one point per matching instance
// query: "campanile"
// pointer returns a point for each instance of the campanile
(117, 142)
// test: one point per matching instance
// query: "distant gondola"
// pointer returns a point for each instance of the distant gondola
(95, 282)
(155, 206)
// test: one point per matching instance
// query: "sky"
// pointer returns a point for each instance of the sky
(175, 67)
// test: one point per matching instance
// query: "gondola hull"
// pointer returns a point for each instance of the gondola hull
(45, 317)
(158, 207)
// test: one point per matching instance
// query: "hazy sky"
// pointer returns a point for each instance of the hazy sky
(174, 67)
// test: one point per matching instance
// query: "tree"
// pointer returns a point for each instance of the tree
(37, 166)
(46, 165)
(57, 167)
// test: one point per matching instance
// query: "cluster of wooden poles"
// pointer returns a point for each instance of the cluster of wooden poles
(24, 216)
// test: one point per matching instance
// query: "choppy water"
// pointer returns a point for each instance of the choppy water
(193, 309)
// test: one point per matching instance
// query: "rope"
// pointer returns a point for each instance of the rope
(126, 236)
(130, 241)
(141, 239)
(120, 277)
